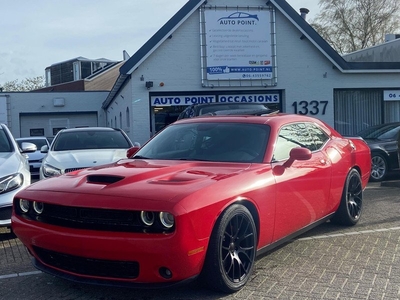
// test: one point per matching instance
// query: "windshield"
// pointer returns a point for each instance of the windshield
(80, 140)
(5, 145)
(385, 131)
(224, 142)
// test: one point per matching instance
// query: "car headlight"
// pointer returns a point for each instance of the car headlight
(11, 182)
(147, 217)
(24, 205)
(167, 219)
(50, 171)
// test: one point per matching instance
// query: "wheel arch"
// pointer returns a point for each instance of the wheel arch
(253, 211)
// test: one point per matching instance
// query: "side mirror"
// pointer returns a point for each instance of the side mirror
(44, 149)
(295, 154)
(131, 151)
(28, 147)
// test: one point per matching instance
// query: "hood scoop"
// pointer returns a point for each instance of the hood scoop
(103, 179)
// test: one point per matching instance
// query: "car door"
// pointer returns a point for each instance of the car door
(303, 188)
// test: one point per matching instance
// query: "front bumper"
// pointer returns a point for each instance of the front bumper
(96, 256)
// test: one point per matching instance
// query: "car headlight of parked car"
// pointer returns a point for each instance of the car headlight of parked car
(50, 171)
(11, 182)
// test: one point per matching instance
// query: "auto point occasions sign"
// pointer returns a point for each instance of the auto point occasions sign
(200, 99)
(238, 44)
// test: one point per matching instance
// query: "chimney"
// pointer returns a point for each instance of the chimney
(304, 12)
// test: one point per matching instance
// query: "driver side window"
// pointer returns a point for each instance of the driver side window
(292, 136)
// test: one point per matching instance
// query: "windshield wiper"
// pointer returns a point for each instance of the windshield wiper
(140, 157)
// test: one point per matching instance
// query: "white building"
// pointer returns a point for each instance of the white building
(305, 73)
(225, 50)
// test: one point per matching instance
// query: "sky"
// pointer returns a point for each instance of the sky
(37, 34)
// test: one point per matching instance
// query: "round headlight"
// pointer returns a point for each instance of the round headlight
(38, 207)
(24, 205)
(147, 217)
(167, 219)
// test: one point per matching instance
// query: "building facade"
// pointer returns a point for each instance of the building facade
(44, 113)
(222, 50)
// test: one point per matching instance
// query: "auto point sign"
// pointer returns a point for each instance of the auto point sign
(238, 44)
(201, 99)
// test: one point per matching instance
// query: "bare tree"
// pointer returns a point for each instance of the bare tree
(351, 25)
(26, 85)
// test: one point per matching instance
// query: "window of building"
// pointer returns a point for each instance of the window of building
(356, 110)
(36, 132)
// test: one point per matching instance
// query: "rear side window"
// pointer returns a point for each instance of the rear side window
(319, 136)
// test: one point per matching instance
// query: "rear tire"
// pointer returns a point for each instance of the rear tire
(232, 250)
(350, 207)
(379, 167)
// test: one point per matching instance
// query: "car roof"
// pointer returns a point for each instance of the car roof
(31, 138)
(80, 129)
(274, 120)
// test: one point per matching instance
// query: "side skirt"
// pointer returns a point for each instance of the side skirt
(293, 235)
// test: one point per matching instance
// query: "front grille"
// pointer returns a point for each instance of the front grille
(33, 169)
(74, 169)
(93, 219)
(5, 213)
(88, 266)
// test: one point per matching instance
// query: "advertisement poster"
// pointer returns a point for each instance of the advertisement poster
(238, 44)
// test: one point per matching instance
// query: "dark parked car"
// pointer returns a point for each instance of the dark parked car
(219, 108)
(384, 143)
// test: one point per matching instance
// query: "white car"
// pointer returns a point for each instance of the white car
(34, 158)
(78, 148)
(14, 172)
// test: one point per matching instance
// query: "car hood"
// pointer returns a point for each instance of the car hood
(143, 180)
(83, 158)
(9, 163)
(37, 155)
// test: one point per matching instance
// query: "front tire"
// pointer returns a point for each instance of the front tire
(232, 250)
(350, 207)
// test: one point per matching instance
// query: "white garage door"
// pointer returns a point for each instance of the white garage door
(49, 124)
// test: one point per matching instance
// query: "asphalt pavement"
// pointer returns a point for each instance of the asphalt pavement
(328, 262)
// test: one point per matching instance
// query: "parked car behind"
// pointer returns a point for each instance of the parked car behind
(219, 108)
(201, 199)
(78, 148)
(14, 172)
(34, 158)
(384, 143)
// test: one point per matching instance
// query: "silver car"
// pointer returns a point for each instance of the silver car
(14, 172)
(78, 148)
(34, 158)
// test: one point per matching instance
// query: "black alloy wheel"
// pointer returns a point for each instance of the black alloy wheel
(232, 250)
(350, 208)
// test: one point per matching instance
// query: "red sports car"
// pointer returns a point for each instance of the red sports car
(202, 199)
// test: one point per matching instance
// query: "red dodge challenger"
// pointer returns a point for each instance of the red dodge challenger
(202, 199)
